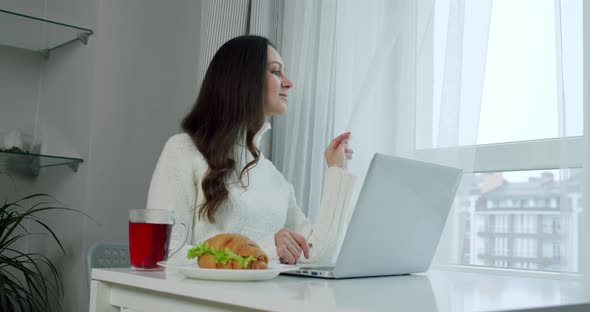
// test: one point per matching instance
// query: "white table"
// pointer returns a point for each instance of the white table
(442, 291)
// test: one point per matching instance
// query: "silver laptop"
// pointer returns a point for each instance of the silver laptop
(397, 222)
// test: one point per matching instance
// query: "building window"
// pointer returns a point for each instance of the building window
(525, 223)
(500, 224)
(556, 250)
(556, 224)
(501, 246)
(547, 224)
(525, 248)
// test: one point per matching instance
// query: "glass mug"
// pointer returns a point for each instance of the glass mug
(149, 237)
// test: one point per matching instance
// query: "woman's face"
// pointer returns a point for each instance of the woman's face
(277, 84)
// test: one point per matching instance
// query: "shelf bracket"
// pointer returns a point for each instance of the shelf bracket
(81, 36)
(74, 165)
(35, 166)
(30, 25)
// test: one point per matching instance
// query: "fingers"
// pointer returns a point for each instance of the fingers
(302, 243)
(285, 256)
(290, 245)
(288, 249)
(337, 140)
(294, 250)
(348, 153)
(342, 146)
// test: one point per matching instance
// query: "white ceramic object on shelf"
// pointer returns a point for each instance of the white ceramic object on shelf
(13, 139)
(16, 138)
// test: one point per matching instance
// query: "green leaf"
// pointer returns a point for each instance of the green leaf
(219, 256)
(28, 281)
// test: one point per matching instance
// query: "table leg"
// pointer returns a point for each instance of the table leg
(100, 294)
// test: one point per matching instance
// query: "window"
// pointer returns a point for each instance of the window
(501, 246)
(525, 248)
(552, 224)
(527, 135)
(529, 90)
(556, 224)
(525, 223)
(556, 250)
(517, 133)
(500, 223)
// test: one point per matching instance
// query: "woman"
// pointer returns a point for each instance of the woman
(215, 178)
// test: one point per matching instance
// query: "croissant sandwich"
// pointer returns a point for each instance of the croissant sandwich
(229, 251)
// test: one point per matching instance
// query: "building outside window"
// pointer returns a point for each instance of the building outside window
(522, 237)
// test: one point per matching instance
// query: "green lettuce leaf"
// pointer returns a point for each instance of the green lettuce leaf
(219, 256)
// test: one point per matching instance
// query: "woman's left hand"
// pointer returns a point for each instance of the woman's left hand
(290, 245)
(338, 152)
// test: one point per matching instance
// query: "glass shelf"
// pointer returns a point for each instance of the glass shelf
(37, 34)
(30, 163)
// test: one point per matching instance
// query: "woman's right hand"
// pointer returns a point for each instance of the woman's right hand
(290, 245)
(337, 154)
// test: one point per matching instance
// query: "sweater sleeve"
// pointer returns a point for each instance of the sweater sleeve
(172, 188)
(335, 210)
(267, 244)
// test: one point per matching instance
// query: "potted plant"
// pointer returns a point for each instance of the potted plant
(29, 281)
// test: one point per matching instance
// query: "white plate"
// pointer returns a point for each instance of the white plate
(192, 270)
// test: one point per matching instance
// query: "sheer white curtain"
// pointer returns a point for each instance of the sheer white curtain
(339, 56)
(450, 118)
(572, 176)
(524, 143)
(493, 89)
(300, 136)
(369, 67)
(404, 82)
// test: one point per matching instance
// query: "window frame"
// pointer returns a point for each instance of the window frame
(532, 155)
(511, 156)
(518, 156)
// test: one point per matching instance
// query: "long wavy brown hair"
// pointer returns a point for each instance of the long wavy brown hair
(229, 107)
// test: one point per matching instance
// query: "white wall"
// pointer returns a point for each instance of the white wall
(27, 7)
(113, 102)
(19, 74)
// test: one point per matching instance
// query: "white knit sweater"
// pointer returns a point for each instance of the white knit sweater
(258, 211)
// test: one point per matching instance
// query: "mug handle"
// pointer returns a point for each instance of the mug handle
(179, 247)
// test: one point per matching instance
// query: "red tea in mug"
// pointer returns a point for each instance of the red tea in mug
(148, 244)
(149, 236)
